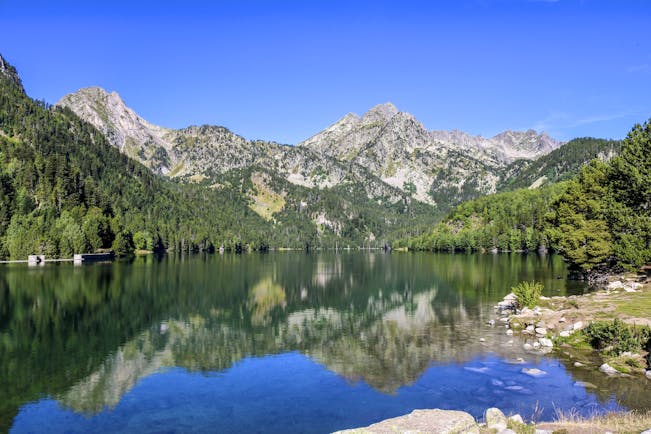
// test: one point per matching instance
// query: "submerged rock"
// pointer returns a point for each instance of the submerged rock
(534, 372)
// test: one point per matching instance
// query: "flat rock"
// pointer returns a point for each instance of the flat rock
(423, 421)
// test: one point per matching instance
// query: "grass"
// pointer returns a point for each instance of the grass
(572, 423)
(635, 304)
(266, 202)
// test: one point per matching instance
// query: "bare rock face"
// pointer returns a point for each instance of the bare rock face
(388, 152)
(10, 72)
(423, 421)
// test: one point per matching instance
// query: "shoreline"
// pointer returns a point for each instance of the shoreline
(557, 322)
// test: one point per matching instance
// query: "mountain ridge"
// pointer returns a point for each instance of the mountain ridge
(393, 145)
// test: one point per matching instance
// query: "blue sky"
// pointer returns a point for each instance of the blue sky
(284, 70)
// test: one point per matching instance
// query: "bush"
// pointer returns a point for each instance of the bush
(615, 338)
(527, 293)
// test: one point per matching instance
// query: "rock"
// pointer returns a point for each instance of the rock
(578, 364)
(577, 325)
(516, 418)
(525, 311)
(584, 384)
(425, 421)
(510, 297)
(565, 334)
(530, 328)
(648, 431)
(482, 340)
(543, 431)
(527, 347)
(509, 332)
(629, 289)
(545, 342)
(607, 369)
(504, 319)
(534, 372)
(541, 331)
(648, 374)
(541, 324)
(536, 345)
(615, 285)
(506, 431)
(495, 419)
(491, 322)
(562, 319)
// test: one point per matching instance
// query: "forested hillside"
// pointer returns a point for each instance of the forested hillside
(64, 189)
(559, 165)
(600, 219)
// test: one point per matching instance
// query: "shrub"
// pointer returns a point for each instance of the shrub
(527, 293)
(617, 337)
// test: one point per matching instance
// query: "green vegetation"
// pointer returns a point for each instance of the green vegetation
(599, 220)
(513, 221)
(616, 337)
(561, 164)
(527, 293)
(64, 189)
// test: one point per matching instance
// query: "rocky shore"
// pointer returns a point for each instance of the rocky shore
(495, 421)
(555, 322)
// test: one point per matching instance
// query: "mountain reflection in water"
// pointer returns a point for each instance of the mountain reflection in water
(86, 336)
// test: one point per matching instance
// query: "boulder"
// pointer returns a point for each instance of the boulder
(495, 419)
(424, 421)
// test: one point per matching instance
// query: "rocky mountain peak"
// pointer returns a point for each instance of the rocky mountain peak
(380, 113)
(8, 71)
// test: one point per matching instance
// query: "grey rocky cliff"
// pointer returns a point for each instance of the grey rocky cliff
(389, 152)
(10, 72)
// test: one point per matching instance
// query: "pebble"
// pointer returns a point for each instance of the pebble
(565, 334)
(648, 374)
(491, 322)
(541, 331)
(562, 319)
(530, 328)
(578, 364)
(482, 340)
(516, 418)
(578, 325)
(509, 332)
(527, 347)
(536, 345)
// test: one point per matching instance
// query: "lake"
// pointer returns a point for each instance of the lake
(278, 342)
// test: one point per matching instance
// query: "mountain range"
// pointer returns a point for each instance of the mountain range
(383, 146)
(364, 180)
